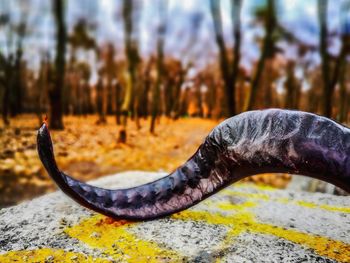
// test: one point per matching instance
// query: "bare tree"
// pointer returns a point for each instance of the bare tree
(267, 51)
(42, 84)
(160, 64)
(229, 73)
(291, 100)
(55, 90)
(132, 55)
(118, 101)
(344, 65)
(180, 79)
(236, 6)
(343, 95)
(78, 39)
(6, 65)
(330, 75)
(147, 83)
(322, 19)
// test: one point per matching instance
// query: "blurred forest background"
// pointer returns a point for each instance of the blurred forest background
(136, 84)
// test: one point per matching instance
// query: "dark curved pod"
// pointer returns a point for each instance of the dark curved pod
(250, 143)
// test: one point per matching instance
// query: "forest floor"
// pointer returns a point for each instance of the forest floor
(86, 151)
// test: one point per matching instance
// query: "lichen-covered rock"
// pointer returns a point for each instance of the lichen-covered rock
(243, 223)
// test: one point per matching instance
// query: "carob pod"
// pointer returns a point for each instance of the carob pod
(250, 143)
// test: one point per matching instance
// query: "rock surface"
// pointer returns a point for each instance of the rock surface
(242, 223)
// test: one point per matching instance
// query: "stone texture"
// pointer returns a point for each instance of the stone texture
(242, 223)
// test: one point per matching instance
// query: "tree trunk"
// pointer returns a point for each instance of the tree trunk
(169, 95)
(7, 83)
(183, 110)
(109, 89)
(267, 49)
(327, 93)
(5, 105)
(330, 78)
(144, 109)
(176, 106)
(290, 86)
(156, 94)
(224, 61)
(136, 101)
(42, 85)
(210, 98)
(125, 109)
(198, 94)
(17, 85)
(55, 93)
(117, 102)
(101, 102)
(236, 7)
(343, 96)
(132, 55)
(160, 66)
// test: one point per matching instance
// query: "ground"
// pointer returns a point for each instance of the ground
(86, 151)
(242, 223)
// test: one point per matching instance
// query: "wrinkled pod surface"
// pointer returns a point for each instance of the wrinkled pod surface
(250, 143)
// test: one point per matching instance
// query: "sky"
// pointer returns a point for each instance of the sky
(189, 27)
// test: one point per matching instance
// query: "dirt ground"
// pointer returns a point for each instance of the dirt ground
(86, 151)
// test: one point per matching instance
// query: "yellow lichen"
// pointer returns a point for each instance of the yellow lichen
(245, 221)
(324, 206)
(118, 243)
(284, 200)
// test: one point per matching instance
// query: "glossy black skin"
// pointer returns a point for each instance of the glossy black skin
(250, 143)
